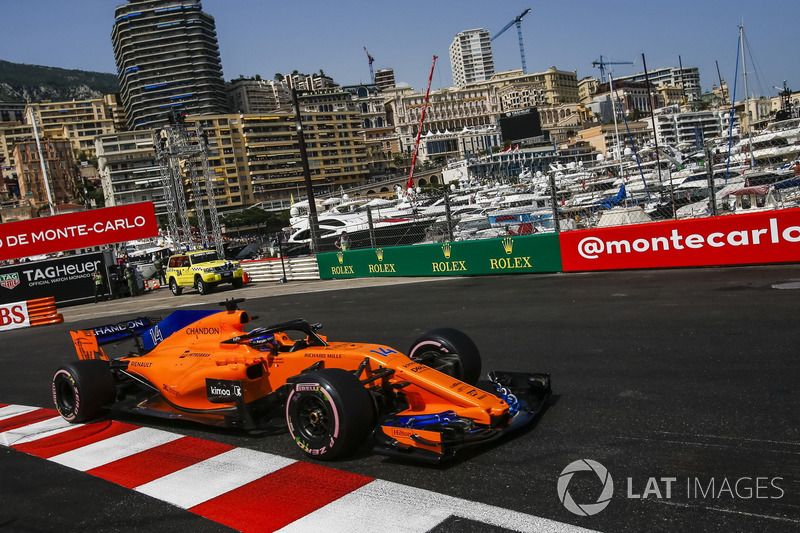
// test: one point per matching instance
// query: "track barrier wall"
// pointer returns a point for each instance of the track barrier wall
(37, 312)
(771, 236)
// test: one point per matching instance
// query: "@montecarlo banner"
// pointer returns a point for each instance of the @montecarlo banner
(762, 237)
(85, 229)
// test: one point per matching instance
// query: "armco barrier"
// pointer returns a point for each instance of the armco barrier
(43, 311)
(37, 312)
(297, 269)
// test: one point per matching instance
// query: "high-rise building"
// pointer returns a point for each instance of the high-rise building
(471, 57)
(167, 57)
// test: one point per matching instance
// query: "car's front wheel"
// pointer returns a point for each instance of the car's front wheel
(329, 413)
(174, 287)
(449, 351)
(82, 389)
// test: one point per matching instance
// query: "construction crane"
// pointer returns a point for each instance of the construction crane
(602, 64)
(518, 21)
(371, 72)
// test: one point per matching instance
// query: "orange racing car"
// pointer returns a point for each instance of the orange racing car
(202, 365)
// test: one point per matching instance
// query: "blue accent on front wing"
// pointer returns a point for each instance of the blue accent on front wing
(425, 420)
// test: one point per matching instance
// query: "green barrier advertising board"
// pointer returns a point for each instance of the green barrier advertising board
(508, 255)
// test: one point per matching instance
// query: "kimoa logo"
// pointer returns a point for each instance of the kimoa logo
(586, 509)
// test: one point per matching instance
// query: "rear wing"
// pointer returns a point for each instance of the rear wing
(147, 332)
(88, 342)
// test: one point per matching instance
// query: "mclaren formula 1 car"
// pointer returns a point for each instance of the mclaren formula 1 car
(203, 365)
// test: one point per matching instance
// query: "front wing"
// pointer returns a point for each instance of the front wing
(435, 437)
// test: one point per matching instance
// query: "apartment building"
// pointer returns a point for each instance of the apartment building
(248, 95)
(687, 78)
(688, 128)
(384, 78)
(451, 114)
(167, 57)
(129, 172)
(380, 141)
(78, 121)
(471, 57)
(58, 175)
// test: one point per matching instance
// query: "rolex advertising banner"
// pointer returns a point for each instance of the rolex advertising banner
(67, 279)
(509, 255)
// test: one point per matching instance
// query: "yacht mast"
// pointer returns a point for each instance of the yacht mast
(747, 101)
(616, 128)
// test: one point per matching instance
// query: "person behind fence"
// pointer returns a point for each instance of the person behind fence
(130, 277)
(343, 242)
(99, 286)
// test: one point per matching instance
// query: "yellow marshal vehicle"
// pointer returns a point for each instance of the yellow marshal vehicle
(203, 270)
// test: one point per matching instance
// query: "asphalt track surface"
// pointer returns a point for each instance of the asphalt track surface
(682, 384)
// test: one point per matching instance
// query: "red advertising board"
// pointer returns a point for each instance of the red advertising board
(95, 227)
(764, 237)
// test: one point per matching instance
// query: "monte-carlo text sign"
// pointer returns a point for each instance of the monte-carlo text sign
(761, 237)
(509, 255)
(85, 229)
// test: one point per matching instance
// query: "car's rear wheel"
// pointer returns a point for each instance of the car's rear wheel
(82, 389)
(173, 286)
(449, 351)
(202, 286)
(237, 283)
(329, 413)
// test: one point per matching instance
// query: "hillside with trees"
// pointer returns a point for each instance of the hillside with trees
(20, 82)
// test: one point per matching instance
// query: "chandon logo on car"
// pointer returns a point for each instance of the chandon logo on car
(223, 391)
(202, 331)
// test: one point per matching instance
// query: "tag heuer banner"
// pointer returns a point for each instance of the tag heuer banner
(67, 279)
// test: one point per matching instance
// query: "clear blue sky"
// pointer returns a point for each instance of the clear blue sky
(266, 36)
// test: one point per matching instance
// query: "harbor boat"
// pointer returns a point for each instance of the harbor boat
(361, 232)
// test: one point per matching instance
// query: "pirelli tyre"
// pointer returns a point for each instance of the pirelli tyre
(449, 351)
(174, 287)
(82, 389)
(329, 413)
